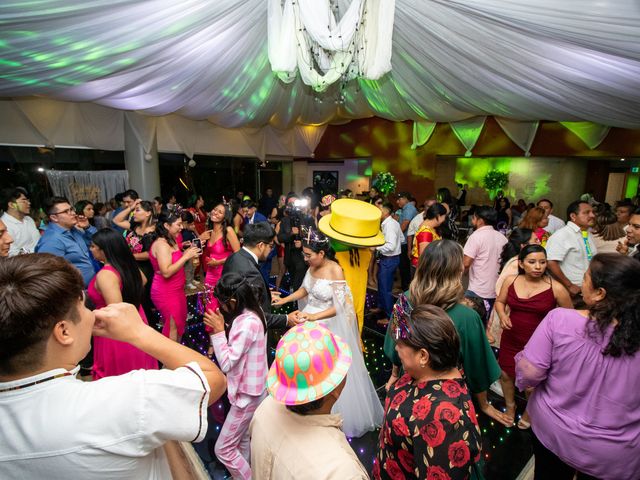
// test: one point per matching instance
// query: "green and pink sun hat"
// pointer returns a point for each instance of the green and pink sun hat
(310, 362)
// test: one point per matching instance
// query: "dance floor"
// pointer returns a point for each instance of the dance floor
(506, 451)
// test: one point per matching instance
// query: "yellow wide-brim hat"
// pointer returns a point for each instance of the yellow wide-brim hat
(354, 222)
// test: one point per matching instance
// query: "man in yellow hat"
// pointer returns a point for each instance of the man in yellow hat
(354, 229)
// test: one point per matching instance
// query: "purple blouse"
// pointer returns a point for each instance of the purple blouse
(586, 406)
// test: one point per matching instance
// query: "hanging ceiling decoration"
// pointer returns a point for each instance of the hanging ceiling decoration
(570, 60)
(305, 37)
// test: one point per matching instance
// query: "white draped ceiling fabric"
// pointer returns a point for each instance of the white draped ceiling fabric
(209, 61)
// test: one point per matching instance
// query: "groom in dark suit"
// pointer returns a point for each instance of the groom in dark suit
(258, 242)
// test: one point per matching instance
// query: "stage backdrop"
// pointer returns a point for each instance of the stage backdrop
(95, 186)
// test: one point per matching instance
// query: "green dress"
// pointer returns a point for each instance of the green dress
(479, 363)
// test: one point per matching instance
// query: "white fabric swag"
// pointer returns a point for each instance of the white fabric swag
(95, 186)
(570, 60)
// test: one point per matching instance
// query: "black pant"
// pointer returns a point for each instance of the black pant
(297, 268)
(549, 466)
(405, 268)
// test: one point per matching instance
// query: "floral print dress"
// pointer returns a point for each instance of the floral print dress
(430, 431)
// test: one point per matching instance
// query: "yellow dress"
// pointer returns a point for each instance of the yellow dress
(356, 278)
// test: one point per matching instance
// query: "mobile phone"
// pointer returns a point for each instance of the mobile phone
(196, 242)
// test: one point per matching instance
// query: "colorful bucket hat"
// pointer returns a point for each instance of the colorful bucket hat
(310, 363)
(327, 200)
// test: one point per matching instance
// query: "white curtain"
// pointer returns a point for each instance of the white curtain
(569, 60)
(468, 132)
(591, 134)
(96, 186)
(521, 133)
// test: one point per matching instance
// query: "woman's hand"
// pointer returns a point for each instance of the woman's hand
(214, 320)
(192, 252)
(309, 317)
(205, 236)
(505, 322)
(214, 262)
(392, 380)
(277, 301)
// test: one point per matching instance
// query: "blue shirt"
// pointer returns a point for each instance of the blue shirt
(72, 245)
(406, 214)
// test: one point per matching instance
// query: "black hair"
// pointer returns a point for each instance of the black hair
(234, 286)
(306, 408)
(574, 207)
(388, 206)
(166, 217)
(226, 222)
(51, 202)
(507, 202)
(159, 200)
(406, 195)
(248, 204)
(256, 233)
(487, 214)
(118, 197)
(545, 200)
(528, 249)
(98, 206)
(147, 206)
(132, 194)
(11, 195)
(186, 216)
(80, 206)
(432, 329)
(379, 198)
(444, 196)
(619, 276)
(317, 242)
(118, 254)
(37, 291)
(434, 211)
(518, 238)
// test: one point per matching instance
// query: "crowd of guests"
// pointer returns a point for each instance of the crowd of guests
(561, 301)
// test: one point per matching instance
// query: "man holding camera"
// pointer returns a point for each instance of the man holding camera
(296, 216)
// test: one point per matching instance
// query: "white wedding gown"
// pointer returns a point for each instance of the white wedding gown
(358, 404)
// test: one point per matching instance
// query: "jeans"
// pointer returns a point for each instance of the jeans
(386, 270)
(405, 268)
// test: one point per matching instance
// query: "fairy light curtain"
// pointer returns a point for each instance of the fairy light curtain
(570, 60)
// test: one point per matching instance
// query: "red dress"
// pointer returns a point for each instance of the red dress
(526, 314)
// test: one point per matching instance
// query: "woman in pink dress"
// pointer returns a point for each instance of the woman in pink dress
(120, 280)
(167, 291)
(222, 243)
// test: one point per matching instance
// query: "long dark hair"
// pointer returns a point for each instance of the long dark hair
(117, 253)
(226, 222)
(147, 206)
(166, 217)
(528, 249)
(619, 276)
(518, 238)
(317, 242)
(234, 286)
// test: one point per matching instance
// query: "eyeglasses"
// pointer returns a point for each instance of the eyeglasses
(69, 211)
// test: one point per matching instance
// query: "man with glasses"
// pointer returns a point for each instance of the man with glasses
(67, 237)
(258, 242)
(19, 225)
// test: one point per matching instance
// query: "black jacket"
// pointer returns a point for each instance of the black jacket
(243, 263)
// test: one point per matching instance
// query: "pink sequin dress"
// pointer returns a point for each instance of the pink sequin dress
(168, 295)
(111, 357)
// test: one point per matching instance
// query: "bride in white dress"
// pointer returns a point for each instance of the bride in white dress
(324, 296)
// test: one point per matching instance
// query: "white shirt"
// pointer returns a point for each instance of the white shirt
(66, 429)
(392, 238)
(567, 247)
(253, 255)
(25, 234)
(414, 224)
(555, 224)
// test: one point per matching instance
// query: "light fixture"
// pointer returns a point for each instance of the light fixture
(40, 169)
(622, 159)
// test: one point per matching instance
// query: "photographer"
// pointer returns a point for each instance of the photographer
(296, 216)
